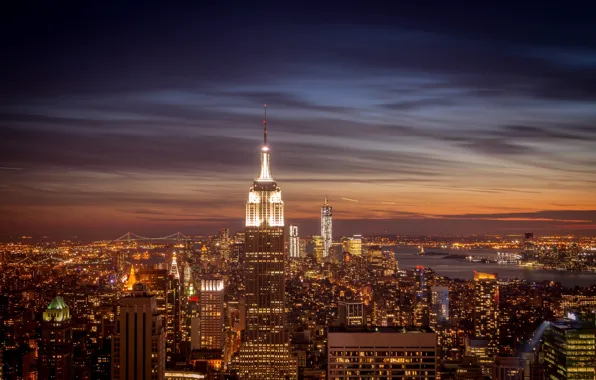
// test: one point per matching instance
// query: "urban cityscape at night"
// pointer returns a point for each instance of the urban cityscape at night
(438, 217)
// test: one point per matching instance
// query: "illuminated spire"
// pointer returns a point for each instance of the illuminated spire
(132, 279)
(265, 126)
(174, 267)
(265, 173)
(326, 202)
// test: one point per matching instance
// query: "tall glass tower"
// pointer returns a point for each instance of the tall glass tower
(265, 353)
(326, 231)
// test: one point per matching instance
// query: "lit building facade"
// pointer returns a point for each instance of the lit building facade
(138, 346)
(56, 349)
(265, 351)
(212, 313)
(326, 227)
(294, 242)
(439, 306)
(353, 245)
(421, 308)
(318, 248)
(486, 309)
(569, 351)
(381, 353)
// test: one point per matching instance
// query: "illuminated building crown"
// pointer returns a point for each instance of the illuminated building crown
(174, 268)
(264, 207)
(57, 311)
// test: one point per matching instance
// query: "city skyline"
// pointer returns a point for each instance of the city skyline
(411, 123)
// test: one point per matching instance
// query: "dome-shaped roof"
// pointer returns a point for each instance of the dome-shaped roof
(57, 304)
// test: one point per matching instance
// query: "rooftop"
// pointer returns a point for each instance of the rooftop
(57, 304)
(380, 329)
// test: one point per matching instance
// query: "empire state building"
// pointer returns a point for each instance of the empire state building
(264, 353)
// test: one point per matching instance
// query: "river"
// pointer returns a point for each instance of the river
(408, 258)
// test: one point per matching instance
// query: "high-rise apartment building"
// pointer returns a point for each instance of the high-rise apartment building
(56, 349)
(265, 351)
(138, 346)
(326, 227)
(569, 350)
(294, 242)
(381, 353)
(439, 306)
(486, 309)
(211, 301)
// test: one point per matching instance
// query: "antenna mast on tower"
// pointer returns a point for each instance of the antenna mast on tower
(265, 125)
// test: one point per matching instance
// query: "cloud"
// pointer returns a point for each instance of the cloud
(149, 115)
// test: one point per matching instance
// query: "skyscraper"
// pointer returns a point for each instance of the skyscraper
(174, 267)
(326, 227)
(569, 350)
(138, 347)
(166, 289)
(439, 305)
(264, 353)
(294, 242)
(56, 349)
(211, 313)
(486, 309)
(421, 310)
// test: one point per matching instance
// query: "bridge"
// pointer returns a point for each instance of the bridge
(130, 236)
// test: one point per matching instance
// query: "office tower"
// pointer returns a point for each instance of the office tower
(56, 349)
(212, 313)
(486, 309)
(350, 313)
(569, 350)
(318, 248)
(353, 245)
(265, 353)
(189, 288)
(222, 244)
(480, 349)
(294, 242)
(166, 289)
(381, 353)
(439, 306)
(138, 346)
(326, 227)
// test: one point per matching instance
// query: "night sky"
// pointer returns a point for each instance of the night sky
(441, 119)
